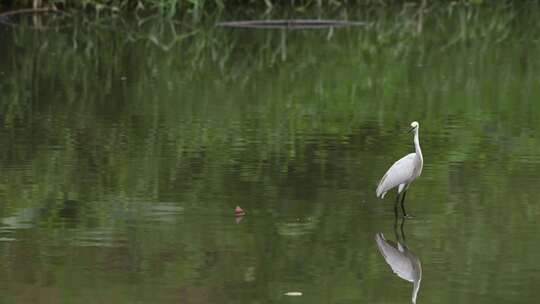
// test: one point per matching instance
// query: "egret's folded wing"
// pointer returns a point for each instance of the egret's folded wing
(397, 260)
(400, 172)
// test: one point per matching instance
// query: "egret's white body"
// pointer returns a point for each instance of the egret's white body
(404, 171)
(404, 263)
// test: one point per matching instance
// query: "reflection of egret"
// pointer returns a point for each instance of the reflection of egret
(403, 172)
(404, 263)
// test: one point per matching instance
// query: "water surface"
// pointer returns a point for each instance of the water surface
(125, 147)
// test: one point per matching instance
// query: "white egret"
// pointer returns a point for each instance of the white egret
(403, 172)
(404, 263)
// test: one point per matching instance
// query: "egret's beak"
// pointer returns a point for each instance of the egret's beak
(410, 130)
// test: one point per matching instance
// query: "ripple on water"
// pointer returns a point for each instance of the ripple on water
(296, 227)
(163, 212)
(23, 219)
(101, 237)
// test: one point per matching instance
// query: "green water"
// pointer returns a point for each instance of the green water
(125, 147)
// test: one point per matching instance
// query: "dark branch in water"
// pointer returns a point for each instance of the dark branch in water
(5, 18)
(30, 11)
(295, 23)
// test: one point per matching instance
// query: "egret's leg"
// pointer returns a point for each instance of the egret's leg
(402, 231)
(400, 237)
(403, 204)
(396, 227)
(396, 207)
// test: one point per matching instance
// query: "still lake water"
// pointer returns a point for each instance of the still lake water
(125, 147)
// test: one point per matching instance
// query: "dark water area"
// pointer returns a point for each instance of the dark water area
(126, 145)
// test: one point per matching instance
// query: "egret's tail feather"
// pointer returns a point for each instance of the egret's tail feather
(380, 193)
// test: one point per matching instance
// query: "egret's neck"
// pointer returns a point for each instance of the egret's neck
(417, 145)
(416, 287)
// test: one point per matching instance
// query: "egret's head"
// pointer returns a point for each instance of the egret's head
(414, 126)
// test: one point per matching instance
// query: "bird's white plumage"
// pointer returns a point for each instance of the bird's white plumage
(401, 172)
(403, 262)
(404, 171)
(399, 260)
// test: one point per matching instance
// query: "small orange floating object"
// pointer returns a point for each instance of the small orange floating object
(239, 211)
